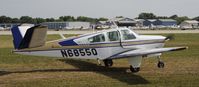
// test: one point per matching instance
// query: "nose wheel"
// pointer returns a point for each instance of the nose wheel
(160, 63)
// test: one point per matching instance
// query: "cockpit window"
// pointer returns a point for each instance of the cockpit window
(113, 36)
(97, 38)
(127, 35)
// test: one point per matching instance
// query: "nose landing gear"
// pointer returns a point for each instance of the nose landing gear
(160, 63)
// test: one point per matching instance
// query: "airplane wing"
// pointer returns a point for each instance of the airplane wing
(145, 52)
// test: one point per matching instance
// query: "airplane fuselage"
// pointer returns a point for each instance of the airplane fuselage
(81, 47)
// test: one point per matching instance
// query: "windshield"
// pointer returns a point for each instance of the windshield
(127, 35)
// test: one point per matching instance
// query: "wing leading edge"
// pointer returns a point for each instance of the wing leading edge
(145, 52)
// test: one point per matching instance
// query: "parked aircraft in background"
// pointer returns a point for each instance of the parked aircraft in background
(105, 45)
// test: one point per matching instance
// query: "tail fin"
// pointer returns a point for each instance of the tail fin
(28, 36)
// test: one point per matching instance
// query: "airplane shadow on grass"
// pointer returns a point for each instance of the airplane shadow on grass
(118, 73)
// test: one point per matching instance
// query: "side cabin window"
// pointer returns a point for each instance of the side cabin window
(127, 35)
(113, 35)
(97, 38)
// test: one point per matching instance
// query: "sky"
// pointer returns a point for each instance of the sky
(98, 8)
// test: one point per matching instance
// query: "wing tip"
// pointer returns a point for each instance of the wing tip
(180, 48)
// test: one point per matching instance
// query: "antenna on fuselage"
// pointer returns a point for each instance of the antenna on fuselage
(62, 36)
(114, 25)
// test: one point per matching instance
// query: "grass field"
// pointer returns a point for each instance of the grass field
(181, 70)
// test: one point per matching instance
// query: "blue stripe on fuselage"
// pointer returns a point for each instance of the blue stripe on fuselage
(68, 43)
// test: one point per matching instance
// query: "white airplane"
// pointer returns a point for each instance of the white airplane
(105, 45)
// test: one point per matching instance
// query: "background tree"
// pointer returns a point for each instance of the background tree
(86, 19)
(39, 20)
(119, 17)
(15, 20)
(82, 18)
(26, 19)
(196, 18)
(146, 16)
(50, 19)
(4, 19)
(67, 18)
(102, 19)
(181, 19)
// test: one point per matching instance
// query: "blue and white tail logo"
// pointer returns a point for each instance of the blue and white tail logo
(26, 36)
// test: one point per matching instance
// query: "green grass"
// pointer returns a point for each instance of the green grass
(181, 70)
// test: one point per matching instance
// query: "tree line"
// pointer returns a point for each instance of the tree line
(28, 19)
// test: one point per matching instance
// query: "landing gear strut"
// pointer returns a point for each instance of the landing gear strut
(108, 62)
(99, 62)
(160, 63)
(134, 70)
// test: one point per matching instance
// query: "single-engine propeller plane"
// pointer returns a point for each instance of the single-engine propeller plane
(105, 45)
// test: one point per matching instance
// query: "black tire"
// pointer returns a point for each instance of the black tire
(108, 62)
(134, 70)
(160, 64)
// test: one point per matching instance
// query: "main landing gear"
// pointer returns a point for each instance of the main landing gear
(108, 62)
(136, 68)
(160, 63)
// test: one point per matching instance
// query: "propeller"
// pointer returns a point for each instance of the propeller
(170, 37)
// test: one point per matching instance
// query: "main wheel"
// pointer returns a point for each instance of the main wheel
(108, 62)
(137, 69)
(160, 64)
